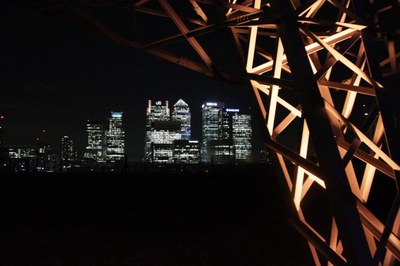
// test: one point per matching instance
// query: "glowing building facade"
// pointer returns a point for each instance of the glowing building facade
(115, 138)
(211, 119)
(162, 136)
(186, 151)
(165, 133)
(226, 135)
(154, 113)
(242, 136)
(182, 114)
(95, 141)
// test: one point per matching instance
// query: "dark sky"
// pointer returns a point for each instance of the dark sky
(56, 73)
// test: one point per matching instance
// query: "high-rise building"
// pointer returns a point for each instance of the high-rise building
(210, 128)
(182, 113)
(226, 135)
(115, 138)
(242, 136)
(155, 114)
(222, 149)
(68, 153)
(95, 141)
(163, 130)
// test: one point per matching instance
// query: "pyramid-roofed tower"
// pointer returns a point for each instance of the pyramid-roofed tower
(181, 103)
(182, 113)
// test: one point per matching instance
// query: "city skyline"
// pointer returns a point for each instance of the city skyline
(58, 74)
(98, 124)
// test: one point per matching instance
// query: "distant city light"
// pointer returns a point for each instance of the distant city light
(116, 114)
(211, 104)
(232, 110)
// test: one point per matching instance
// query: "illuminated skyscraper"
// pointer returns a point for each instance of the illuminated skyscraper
(210, 128)
(68, 154)
(154, 115)
(115, 138)
(226, 135)
(95, 141)
(242, 137)
(181, 113)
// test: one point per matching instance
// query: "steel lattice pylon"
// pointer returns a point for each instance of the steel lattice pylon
(320, 72)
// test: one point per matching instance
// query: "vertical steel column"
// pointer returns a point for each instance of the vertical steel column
(341, 199)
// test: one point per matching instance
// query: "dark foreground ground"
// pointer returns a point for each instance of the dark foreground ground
(231, 218)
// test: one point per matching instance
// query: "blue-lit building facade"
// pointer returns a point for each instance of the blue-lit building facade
(115, 138)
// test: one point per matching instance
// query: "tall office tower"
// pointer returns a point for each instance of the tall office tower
(210, 128)
(68, 154)
(242, 135)
(157, 112)
(181, 113)
(95, 141)
(226, 135)
(222, 149)
(115, 138)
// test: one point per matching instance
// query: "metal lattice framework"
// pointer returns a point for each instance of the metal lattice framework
(320, 73)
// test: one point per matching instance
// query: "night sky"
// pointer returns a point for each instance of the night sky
(56, 73)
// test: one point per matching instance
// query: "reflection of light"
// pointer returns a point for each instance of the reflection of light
(366, 114)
